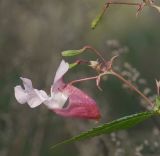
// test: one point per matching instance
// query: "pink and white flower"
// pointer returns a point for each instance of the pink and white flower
(79, 103)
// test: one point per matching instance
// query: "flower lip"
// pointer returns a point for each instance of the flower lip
(20, 94)
(33, 97)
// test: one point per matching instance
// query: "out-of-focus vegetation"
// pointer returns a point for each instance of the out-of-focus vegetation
(32, 35)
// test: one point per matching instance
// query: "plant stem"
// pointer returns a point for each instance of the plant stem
(96, 51)
(132, 87)
(123, 3)
(84, 79)
(120, 78)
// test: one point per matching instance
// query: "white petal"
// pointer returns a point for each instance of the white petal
(60, 99)
(62, 69)
(42, 94)
(27, 83)
(36, 97)
(33, 97)
(50, 103)
(20, 94)
(56, 101)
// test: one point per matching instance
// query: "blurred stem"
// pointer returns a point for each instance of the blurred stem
(123, 3)
(132, 87)
(85, 79)
(95, 51)
(111, 72)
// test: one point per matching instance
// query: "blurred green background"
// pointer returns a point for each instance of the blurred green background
(32, 35)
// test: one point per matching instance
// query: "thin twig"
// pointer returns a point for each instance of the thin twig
(84, 79)
(96, 51)
(132, 87)
(123, 3)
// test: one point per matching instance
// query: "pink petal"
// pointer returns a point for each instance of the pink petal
(80, 105)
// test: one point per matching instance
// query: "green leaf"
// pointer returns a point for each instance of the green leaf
(119, 124)
(71, 52)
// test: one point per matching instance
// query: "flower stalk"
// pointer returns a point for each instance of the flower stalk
(132, 87)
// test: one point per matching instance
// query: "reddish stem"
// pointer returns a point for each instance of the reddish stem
(132, 87)
(96, 51)
(80, 61)
(123, 3)
(84, 79)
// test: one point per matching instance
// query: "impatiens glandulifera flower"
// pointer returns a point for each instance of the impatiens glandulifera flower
(79, 105)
